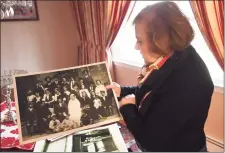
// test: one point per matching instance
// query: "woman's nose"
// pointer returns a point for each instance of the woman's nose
(137, 47)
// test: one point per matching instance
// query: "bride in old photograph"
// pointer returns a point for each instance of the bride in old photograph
(74, 109)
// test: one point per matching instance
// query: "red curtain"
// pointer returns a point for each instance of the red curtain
(98, 23)
(210, 18)
(91, 21)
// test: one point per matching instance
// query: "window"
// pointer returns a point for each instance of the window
(123, 47)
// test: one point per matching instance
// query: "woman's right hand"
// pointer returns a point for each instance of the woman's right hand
(115, 87)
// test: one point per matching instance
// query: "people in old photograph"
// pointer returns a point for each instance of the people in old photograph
(56, 102)
(10, 8)
(94, 141)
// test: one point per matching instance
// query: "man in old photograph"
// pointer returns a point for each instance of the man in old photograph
(57, 102)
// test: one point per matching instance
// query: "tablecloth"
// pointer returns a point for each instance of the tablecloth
(10, 138)
(9, 131)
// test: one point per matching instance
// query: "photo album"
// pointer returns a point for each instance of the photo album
(54, 104)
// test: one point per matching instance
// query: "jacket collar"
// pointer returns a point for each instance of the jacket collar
(158, 77)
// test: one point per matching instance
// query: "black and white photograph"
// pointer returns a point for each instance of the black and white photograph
(55, 103)
(18, 10)
(94, 141)
(103, 139)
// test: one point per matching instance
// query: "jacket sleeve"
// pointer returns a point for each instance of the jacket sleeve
(128, 90)
(174, 107)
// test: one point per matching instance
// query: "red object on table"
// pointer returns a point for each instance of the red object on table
(122, 122)
(9, 131)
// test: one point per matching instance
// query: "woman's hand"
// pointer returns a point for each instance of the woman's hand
(130, 99)
(115, 87)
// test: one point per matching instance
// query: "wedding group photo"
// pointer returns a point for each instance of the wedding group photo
(64, 100)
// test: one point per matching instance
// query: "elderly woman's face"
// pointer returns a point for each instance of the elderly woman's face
(143, 44)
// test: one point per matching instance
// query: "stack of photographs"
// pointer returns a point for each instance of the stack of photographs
(102, 139)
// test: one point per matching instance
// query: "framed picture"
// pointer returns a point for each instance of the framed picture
(19, 10)
(56, 103)
(102, 139)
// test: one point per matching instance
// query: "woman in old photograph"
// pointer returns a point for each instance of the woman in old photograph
(85, 100)
(74, 109)
(83, 89)
(99, 87)
(167, 110)
(92, 87)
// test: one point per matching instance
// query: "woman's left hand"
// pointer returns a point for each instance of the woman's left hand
(130, 99)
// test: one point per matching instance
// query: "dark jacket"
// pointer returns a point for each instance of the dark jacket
(61, 109)
(172, 117)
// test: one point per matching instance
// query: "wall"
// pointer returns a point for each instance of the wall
(47, 44)
(214, 125)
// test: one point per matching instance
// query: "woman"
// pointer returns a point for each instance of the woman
(74, 109)
(85, 100)
(168, 108)
(92, 88)
(83, 89)
(100, 87)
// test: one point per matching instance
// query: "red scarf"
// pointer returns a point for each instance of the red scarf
(146, 72)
